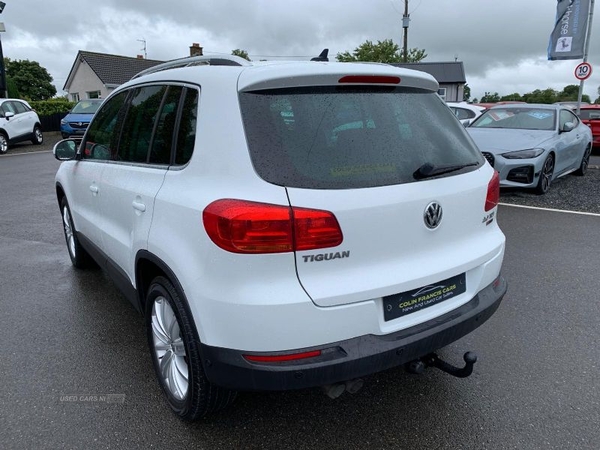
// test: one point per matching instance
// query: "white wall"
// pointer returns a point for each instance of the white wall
(84, 81)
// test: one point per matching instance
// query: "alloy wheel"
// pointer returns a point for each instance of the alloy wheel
(3, 144)
(69, 232)
(169, 349)
(39, 137)
(585, 162)
(547, 172)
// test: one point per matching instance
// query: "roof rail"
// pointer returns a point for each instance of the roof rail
(223, 60)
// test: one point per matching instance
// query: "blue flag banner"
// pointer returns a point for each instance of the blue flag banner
(567, 40)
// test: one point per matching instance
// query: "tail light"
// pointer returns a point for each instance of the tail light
(241, 226)
(493, 192)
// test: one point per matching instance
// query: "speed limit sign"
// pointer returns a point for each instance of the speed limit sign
(583, 71)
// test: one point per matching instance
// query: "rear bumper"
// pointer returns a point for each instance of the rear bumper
(352, 358)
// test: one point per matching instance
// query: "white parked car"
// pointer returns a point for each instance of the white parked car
(284, 225)
(465, 112)
(18, 123)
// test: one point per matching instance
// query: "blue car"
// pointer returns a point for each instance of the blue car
(76, 122)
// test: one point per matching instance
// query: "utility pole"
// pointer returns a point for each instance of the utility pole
(3, 83)
(585, 53)
(405, 21)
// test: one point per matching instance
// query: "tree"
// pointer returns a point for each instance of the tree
(415, 55)
(538, 96)
(31, 80)
(569, 93)
(488, 97)
(516, 97)
(240, 53)
(466, 93)
(385, 51)
(11, 87)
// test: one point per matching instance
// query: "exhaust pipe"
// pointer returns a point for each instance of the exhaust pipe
(333, 391)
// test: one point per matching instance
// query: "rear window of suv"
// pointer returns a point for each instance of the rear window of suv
(589, 114)
(349, 137)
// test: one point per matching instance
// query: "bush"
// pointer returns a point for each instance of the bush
(52, 106)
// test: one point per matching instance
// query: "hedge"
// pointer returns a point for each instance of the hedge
(52, 106)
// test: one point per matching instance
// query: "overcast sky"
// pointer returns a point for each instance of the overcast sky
(503, 44)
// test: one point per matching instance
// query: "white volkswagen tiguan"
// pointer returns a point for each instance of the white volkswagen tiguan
(285, 225)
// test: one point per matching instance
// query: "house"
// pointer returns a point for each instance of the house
(450, 76)
(95, 75)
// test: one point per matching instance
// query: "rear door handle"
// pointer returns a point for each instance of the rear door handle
(139, 206)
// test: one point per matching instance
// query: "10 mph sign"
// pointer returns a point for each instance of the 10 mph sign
(583, 71)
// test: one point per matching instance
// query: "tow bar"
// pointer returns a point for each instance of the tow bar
(418, 366)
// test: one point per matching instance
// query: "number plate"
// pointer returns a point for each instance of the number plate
(399, 305)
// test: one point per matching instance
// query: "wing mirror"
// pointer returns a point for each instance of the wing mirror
(568, 126)
(9, 114)
(66, 149)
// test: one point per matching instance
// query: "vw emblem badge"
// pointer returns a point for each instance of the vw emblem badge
(80, 124)
(433, 215)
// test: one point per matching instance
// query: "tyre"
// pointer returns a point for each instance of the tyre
(3, 144)
(175, 349)
(545, 175)
(38, 136)
(585, 162)
(79, 257)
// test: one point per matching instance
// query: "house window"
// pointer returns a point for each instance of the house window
(442, 93)
(75, 97)
(93, 94)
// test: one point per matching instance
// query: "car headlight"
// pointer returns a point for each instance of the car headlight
(524, 154)
(63, 122)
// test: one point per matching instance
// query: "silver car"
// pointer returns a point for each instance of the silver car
(530, 145)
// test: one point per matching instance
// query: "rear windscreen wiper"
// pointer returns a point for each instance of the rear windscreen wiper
(429, 170)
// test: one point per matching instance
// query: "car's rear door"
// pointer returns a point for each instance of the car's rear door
(132, 179)
(370, 156)
(24, 119)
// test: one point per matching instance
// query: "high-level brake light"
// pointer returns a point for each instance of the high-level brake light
(370, 79)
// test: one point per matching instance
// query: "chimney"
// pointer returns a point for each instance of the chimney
(195, 50)
(140, 56)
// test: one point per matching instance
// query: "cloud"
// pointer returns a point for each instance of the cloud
(502, 44)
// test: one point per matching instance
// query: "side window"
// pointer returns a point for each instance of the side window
(8, 107)
(187, 127)
(567, 116)
(463, 114)
(103, 133)
(19, 107)
(139, 122)
(160, 153)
